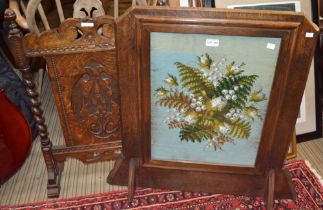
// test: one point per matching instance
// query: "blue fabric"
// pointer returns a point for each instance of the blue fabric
(16, 92)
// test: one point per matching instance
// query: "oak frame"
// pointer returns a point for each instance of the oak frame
(135, 167)
(145, 72)
(309, 127)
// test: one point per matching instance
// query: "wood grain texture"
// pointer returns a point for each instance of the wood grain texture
(73, 36)
(87, 96)
(78, 179)
(72, 183)
(15, 43)
(133, 164)
(81, 61)
(29, 183)
(292, 67)
(270, 189)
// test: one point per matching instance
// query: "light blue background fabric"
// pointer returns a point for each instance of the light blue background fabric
(168, 48)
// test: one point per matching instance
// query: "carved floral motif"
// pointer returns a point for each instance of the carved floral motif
(94, 101)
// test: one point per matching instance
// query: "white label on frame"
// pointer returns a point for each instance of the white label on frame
(184, 3)
(271, 46)
(309, 35)
(87, 24)
(212, 42)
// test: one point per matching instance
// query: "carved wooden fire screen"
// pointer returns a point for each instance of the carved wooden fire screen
(81, 62)
(81, 59)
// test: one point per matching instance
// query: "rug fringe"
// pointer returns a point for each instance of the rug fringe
(314, 172)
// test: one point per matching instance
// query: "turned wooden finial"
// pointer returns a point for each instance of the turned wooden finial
(15, 38)
(10, 15)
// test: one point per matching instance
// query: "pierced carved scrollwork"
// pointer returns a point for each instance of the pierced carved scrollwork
(95, 103)
(87, 8)
(73, 36)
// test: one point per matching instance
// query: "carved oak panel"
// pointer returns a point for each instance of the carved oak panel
(94, 103)
(81, 60)
(86, 92)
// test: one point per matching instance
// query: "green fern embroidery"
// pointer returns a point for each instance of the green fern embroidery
(209, 104)
(240, 129)
(193, 79)
(176, 100)
(195, 133)
(177, 124)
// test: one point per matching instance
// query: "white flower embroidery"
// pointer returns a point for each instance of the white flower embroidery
(218, 103)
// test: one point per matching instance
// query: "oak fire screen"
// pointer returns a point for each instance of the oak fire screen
(207, 95)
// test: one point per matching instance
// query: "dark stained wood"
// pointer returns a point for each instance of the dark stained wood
(303, 51)
(88, 153)
(269, 196)
(132, 178)
(133, 49)
(81, 62)
(87, 96)
(127, 58)
(200, 181)
(287, 179)
(118, 163)
(22, 63)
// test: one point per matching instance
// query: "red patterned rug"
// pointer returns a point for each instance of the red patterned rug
(306, 181)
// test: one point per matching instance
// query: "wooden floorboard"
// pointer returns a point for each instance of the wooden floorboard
(29, 183)
(313, 152)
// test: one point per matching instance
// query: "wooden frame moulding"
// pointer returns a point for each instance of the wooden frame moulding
(309, 122)
(135, 167)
